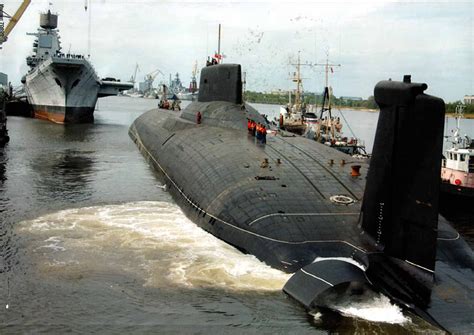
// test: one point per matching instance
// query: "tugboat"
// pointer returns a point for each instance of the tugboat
(190, 93)
(457, 172)
(292, 115)
(328, 129)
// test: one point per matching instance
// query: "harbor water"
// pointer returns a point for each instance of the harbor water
(90, 242)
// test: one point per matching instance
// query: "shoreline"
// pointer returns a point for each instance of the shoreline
(362, 109)
(369, 110)
(465, 116)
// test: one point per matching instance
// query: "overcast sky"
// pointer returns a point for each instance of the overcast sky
(372, 40)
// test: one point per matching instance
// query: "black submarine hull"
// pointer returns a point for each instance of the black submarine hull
(294, 204)
(255, 206)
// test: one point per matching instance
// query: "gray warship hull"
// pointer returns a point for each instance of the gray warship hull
(295, 205)
(63, 90)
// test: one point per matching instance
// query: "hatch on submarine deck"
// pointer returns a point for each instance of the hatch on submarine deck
(281, 211)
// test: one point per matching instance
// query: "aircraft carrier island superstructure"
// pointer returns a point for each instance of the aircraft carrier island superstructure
(62, 88)
(308, 209)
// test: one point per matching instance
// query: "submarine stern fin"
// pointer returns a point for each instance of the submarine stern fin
(400, 204)
(310, 282)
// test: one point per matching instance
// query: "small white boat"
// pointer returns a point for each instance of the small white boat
(457, 169)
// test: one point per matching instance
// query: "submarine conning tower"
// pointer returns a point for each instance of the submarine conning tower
(400, 205)
(221, 82)
(220, 100)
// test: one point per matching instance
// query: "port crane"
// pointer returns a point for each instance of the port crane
(150, 78)
(5, 32)
(133, 78)
(193, 85)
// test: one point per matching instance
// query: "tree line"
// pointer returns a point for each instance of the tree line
(278, 99)
(369, 103)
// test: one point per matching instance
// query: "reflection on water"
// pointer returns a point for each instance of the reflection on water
(67, 174)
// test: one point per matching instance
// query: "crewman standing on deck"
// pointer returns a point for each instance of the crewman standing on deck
(253, 127)
(264, 134)
(257, 132)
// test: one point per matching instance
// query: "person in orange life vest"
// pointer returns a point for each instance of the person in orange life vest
(259, 132)
(249, 125)
(253, 127)
(264, 134)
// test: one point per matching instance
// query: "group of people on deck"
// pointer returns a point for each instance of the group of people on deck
(258, 130)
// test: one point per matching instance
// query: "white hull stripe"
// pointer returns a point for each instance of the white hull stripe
(318, 278)
(419, 266)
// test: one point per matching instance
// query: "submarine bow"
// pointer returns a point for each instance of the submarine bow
(275, 200)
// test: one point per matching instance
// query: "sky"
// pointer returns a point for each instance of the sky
(371, 40)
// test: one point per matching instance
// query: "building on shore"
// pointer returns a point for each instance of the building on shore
(469, 99)
(351, 98)
(3, 79)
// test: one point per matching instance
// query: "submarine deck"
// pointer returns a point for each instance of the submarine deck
(285, 202)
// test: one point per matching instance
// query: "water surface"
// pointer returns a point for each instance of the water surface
(90, 242)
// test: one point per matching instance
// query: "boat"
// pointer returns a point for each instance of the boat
(63, 88)
(457, 172)
(292, 115)
(307, 209)
(327, 128)
(176, 86)
(191, 93)
(303, 119)
(4, 138)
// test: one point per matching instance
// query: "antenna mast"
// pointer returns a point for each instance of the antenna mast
(88, 5)
(326, 106)
(297, 78)
(219, 41)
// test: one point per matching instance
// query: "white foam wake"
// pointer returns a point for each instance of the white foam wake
(153, 240)
(378, 309)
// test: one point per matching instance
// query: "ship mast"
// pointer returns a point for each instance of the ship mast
(297, 78)
(298, 81)
(326, 105)
(219, 44)
(88, 7)
(458, 141)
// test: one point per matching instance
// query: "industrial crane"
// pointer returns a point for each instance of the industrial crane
(13, 20)
(134, 76)
(149, 78)
(193, 85)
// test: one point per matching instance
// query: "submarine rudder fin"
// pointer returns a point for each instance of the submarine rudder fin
(400, 204)
(399, 213)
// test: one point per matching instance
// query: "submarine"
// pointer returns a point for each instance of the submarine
(302, 207)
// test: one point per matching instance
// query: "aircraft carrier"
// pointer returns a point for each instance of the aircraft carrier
(62, 88)
(308, 209)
